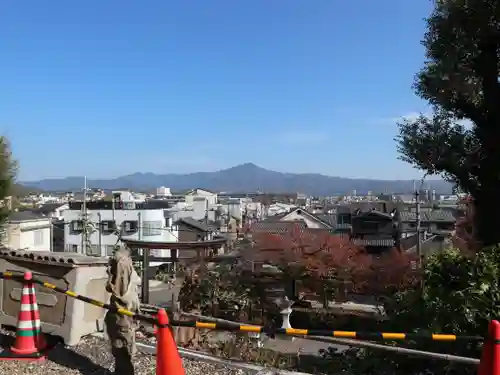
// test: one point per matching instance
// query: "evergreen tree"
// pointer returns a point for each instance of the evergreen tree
(460, 79)
(8, 168)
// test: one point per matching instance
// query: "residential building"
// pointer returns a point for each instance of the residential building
(209, 196)
(58, 227)
(163, 192)
(111, 221)
(431, 221)
(278, 209)
(374, 230)
(191, 230)
(128, 196)
(28, 231)
(311, 220)
(53, 210)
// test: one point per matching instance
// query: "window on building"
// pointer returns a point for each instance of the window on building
(108, 226)
(130, 226)
(74, 248)
(38, 238)
(152, 228)
(76, 226)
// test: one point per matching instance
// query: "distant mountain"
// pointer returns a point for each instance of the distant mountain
(21, 190)
(242, 178)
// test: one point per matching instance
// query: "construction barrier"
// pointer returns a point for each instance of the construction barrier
(490, 357)
(393, 336)
(31, 345)
(69, 293)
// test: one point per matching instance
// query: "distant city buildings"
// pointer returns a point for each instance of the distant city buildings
(95, 223)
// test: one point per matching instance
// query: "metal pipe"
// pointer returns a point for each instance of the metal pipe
(145, 264)
(100, 235)
(360, 343)
(366, 344)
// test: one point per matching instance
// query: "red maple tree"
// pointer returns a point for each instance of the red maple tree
(331, 264)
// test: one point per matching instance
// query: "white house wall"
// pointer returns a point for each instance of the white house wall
(211, 197)
(30, 235)
(310, 222)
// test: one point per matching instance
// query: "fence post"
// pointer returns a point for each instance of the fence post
(286, 312)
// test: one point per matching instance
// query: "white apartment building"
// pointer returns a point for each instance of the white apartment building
(149, 221)
(163, 191)
(128, 196)
(197, 194)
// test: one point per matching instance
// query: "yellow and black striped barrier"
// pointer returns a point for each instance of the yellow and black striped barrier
(69, 293)
(326, 333)
(235, 327)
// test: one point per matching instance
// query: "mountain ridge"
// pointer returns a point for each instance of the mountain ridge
(246, 177)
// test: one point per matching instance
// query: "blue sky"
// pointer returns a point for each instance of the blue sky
(107, 88)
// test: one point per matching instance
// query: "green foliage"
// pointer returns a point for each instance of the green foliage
(8, 170)
(460, 80)
(215, 288)
(225, 291)
(460, 295)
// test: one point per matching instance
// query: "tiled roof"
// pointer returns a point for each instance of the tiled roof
(276, 226)
(435, 215)
(196, 224)
(47, 208)
(384, 207)
(24, 216)
(276, 217)
(329, 219)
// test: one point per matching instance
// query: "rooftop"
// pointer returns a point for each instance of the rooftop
(196, 224)
(20, 216)
(434, 215)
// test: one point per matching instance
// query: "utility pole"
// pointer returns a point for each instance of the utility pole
(84, 215)
(206, 211)
(145, 264)
(417, 218)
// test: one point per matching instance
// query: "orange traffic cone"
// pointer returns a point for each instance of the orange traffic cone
(168, 360)
(30, 343)
(490, 357)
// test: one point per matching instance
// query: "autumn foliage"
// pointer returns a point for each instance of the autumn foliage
(324, 260)
(465, 236)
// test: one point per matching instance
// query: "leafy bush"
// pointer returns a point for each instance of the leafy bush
(460, 295)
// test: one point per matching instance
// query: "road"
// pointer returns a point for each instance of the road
(161, 294)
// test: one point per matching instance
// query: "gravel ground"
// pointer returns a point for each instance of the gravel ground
(92, 356)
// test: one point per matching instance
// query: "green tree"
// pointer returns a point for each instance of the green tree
(8, 169)
(460, 79)
(460, 295)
